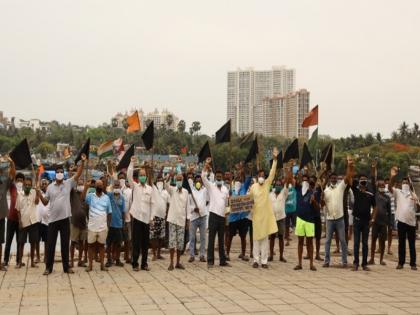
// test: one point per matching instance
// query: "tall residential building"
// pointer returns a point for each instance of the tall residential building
(246, 90)
(283, 116)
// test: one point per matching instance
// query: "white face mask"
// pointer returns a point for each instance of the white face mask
(159, 185)
(305, 187)
(59, 176)
(261, 180)
(122, 183)
(19, 186)
(79, 188)
(237, 186)
(117, 191)
(405, 188)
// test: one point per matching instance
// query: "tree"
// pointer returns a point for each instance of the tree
(403, 132)
(195, 128)
(181, 126)
(169, 120)
(379, 138)
(45, 148)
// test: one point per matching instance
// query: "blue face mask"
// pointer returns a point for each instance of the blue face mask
(178, 184)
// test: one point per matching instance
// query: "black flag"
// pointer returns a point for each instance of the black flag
(279, 161)
(21, 155)
(223, 134)
(185, 184)
(292, 152)
(204, 153)
(326, 155)
(126, 159)
(148, 136)
(245, 139)
(85, 149)
(306, 157)
(253, 151)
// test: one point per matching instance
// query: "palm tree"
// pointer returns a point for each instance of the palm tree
(379, 138)
(403, 131)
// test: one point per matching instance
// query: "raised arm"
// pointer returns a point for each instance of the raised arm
(12, 168)
(273, 167)
(394, 172)
(348, 179)
(204, 178)
(130, 172)
(80, 168)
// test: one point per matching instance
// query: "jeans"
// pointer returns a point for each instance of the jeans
(62, 226)
(216, 226)
(338, 226)
(361, 228)
(201, 224)
(140, 240)
(12, 228)
(406, 231)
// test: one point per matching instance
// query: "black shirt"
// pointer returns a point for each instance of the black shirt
(383, 209)
(364, 201)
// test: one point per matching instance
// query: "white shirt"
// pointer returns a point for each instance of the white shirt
(25, 204)
(334, 199)
(200, 197)
(218, 196)
(406, 207)
(141, 207)
(161, 199)
(178, 206)
(43, 212)
(279, 203)
(128, 196)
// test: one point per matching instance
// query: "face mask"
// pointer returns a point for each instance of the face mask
(143, 179)
(333, 185)
(159, 185)
(278, 189)
(261, 180)
(79, 188)
(405, 188)
(19, 186)
(122, 183)
(363, 183)
(59, 176)
(27, 190)
(99, 190)
(381, 190)
(91, 190)
(305, 187)
(117, 191)
(178, 184)
(219, 183)
(2, 178)
(238, 186)
(198, 185)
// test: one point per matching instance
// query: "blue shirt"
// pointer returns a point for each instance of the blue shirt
(233, 217)
(99, 208)
(118, 210)
(291, 201)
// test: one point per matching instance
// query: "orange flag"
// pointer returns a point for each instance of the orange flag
(41, 170)
(311, 119)
(133, 122)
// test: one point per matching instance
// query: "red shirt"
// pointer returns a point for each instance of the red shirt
(13, 213)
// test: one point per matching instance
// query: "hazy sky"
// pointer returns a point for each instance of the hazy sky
(82, 61)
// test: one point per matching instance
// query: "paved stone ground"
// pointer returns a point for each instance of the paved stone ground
(198, 290)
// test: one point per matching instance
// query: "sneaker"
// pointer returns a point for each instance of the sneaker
(255, 265)
(400, 267)
(203, 259)
(191, 259)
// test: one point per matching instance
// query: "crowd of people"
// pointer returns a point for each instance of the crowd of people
(124, 215)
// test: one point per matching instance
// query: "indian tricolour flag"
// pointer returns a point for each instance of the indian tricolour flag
(106, 149)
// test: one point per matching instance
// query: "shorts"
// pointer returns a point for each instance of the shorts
(157, 230)
(2, 230)
(31, 232)
(281, 226)
(100, 237)
(304, 228)
(176, 236)
(318, 228)
(380, 231)
(290, 220)
(77, 235)
(115, 236)
(126, 232)
(249, 222)
(43, 232)
(240, 226)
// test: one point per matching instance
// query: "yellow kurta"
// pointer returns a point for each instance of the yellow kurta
(263, 219)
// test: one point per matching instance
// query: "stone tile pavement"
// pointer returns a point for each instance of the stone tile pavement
(198, 290)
